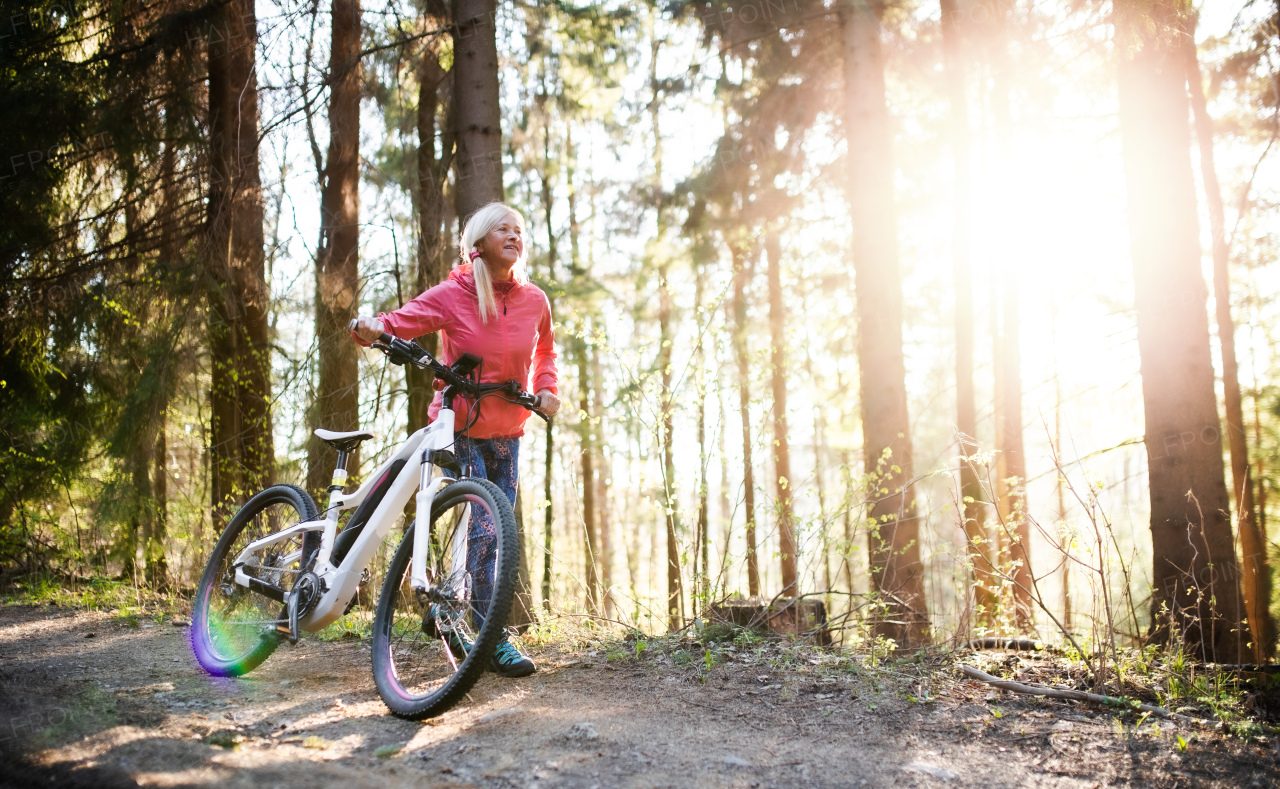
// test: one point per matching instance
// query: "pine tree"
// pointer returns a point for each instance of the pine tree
(1196, 599)
(894, 542)
(338, 256)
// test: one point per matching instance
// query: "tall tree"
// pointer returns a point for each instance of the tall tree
(548, 203)
(781, 448)
(894, 544)
(241, 448)
(581, 348)
(433, 254)
(1011, 463)
(587, 457)
(972, 513)
(666, 398)
(602, 465)
(1196, 596)
(701, 543)
(1059, 486)
(158, 540)
(741, 279)
(1014, 537)
(338, 256)
(478, 119)
(1255, 575)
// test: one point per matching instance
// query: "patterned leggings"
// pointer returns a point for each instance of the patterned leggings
(494, 459)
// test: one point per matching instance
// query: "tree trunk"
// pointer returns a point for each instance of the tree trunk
(138, 529)
(973, 515)
(819, 485)
(1013, 537)
(522, 604)
(586, 456)
(1195, 577)
(1255, 575)
(156, 562)
(631, 544)
(154, 553)
(846, 521)
(1059, 487)
(722, 446)
(670, 504)
(894, 542)
(741, 276)
(478, 118)
(781, 450)
(338, 257)
(1011, 461)
(433, 254)
(675, 596)
(602, 482)
(240, 391)
(701, 542)
(550, 436)
(1261, 461)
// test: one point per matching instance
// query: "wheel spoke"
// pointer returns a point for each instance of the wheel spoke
(421, 650)
(233, 624)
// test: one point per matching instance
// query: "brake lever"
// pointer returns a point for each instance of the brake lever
(532, 406)
(394, 355)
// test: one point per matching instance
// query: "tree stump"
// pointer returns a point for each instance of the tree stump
(785, 616)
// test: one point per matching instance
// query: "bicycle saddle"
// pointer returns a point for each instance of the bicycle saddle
(343, 442)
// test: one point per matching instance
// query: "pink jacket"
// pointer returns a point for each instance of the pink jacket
(520, 335)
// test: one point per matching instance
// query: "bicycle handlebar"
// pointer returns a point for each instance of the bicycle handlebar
(408, 352)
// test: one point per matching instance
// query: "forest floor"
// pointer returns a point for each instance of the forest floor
(92, 699)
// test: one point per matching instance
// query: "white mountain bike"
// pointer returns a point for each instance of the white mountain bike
(281, 569)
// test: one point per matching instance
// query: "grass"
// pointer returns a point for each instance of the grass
(129, 604)
(355, 626)
(225, 738)
(1153, 675)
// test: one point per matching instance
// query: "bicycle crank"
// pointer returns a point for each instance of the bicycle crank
(302, 598)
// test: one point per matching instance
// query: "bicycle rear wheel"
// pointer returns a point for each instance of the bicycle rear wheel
(232, 627)
(416, 635)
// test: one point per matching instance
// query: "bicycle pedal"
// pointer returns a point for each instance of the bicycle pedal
(291, 632)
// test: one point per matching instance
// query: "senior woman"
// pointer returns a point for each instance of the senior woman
(487, 307)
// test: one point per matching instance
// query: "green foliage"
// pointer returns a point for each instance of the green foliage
(355, 626)
(225, 738)
(94, 263)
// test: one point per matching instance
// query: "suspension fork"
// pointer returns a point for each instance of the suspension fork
(430, 484)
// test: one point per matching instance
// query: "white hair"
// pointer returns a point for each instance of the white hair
(479, 225)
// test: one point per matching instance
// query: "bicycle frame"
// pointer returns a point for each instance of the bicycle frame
(341, 582)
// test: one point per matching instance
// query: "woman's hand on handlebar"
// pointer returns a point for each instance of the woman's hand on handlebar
(368, 329)
(548, 403)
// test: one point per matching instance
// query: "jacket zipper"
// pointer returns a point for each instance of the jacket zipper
(504, 304)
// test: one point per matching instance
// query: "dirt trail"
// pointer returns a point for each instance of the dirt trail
(86, 700)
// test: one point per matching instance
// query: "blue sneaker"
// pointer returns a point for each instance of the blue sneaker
(508, 661)
(458, 643)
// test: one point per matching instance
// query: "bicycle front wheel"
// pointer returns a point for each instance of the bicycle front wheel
(233, 629)
(430, 646)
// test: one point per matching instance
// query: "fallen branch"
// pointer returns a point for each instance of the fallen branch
(1239, 668)
(1018, 644)
(1075, 695)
